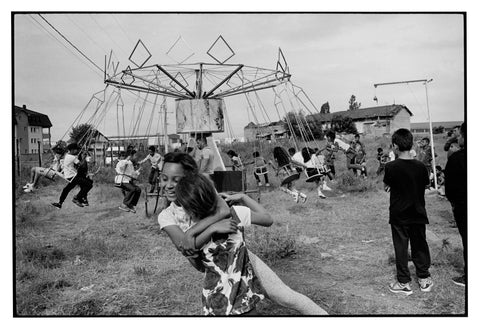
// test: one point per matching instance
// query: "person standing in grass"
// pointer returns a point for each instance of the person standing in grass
(155, 160)
(177, 224)
(406, 178)
(456, 192)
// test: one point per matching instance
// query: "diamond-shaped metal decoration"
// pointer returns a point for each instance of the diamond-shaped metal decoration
(220, 50)
(140, 54)
(181, 79)
(180, 52)
(127, 77)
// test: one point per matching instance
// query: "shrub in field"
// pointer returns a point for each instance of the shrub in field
(351, 183)
(272, 245)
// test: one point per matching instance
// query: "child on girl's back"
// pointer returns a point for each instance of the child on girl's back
(230, 286)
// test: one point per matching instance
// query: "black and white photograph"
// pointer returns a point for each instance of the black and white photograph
(256, 164)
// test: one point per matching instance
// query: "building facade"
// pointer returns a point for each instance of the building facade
(267, 131)
(31, 131)
(374, 121)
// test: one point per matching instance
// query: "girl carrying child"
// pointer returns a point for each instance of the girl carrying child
(177, 224)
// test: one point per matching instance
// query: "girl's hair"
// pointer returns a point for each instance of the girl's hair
(188, 163)
(281, 155)
(197, 195)
(232, 153)
(307, 154)
(256, 154)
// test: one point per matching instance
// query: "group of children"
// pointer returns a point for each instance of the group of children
(211, 234)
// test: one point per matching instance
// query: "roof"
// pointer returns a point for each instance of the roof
(274, 123)
(34, 118)
(363, 113)
(445, 124)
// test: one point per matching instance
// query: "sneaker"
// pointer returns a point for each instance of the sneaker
(124, 208)
(303, 197)
(321, 195)
(295, 197)
(85, 202)
(325, 187)
(397, 287)
(27, 186)
(27, 190)
(425, 284)
(267, 184)
(57, 205)
(260, 184)
(459, 280)
(133, 209)
(77, 202)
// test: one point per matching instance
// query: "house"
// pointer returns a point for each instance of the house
(142, 142)
(266, 131)
(31, 131)
(374, 121)
(424, 127)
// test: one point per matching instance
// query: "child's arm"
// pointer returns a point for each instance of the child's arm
(222, 212)
(225, 226)
(259, 216)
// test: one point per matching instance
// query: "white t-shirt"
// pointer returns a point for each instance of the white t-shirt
(298, 157)
(175, 215)
(342, 144)
(69, 162)
(155, 160)
(206, 157)
(125, 171)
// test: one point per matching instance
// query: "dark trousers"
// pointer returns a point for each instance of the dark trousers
(258, 178)
(460, 215)
(152, 178)
(132, 194)
(85, 185)
(415, 234)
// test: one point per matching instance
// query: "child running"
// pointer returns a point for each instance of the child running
(406, 178)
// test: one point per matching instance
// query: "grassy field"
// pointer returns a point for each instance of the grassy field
(99, 260)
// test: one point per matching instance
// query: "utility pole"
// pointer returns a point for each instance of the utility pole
(425, 82)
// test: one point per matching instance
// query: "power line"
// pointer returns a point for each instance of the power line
(71, 44)
(63, 45)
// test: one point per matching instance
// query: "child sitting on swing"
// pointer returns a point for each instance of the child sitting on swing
(260, 167)
(288, 173)
(55, 169)
(237, 164)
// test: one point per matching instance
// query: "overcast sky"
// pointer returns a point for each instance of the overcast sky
(331, 56)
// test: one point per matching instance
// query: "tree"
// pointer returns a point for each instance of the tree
(82, 133)
(343, 124)
(325, 108)
(353, 104)
(303, 127)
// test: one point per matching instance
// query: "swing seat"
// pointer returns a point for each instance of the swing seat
(316, 173)
(290, 175)
(260, 170)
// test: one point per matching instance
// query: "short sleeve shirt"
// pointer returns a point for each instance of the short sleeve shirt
(407, 179)
(207, 156)
(69, 170)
